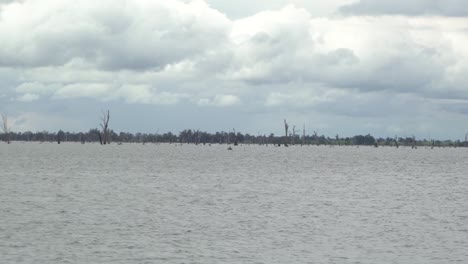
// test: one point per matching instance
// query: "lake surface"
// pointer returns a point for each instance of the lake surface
(135, 203)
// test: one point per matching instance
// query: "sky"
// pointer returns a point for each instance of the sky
(342, 67)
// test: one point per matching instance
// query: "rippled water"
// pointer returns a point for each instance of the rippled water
(74, 203)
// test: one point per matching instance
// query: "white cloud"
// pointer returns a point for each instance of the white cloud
(226, 100)
(27, 97)
(146, 95)
(103, 49)
(33, 87)
(245, 8)
(32, 121)
(222, 100)
(306, 97)
(76, 90)
(410, 54)
(139, 34)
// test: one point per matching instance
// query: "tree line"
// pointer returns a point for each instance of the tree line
(189, 136)
(105, 135)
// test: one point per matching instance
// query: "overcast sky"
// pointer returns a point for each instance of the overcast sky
(340, 66)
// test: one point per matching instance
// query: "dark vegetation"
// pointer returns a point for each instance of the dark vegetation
(200, 137)
(105, 135)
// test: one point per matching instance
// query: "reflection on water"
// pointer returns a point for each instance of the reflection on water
(74, 203)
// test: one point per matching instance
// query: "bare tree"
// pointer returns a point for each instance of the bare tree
(226, 138)
(82, 138)
(294, 135)
(59, 135)
(105, 137)
(286, 127)
(199, 134)
(303, 135)
(316, 138)
(235, 137)
(414, 142)
(6, 128)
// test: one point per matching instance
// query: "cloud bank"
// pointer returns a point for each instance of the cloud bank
(456, 8)
(189, 53)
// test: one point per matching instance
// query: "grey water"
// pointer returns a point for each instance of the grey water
(162, 203)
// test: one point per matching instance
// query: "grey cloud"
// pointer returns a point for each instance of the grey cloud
(455, 107)
(410, 70)
(244, 8)
(398, 57)
(8, 1)
(403, 7)
(265, 49)
(171, 55)
(314, 67)
(117, 37)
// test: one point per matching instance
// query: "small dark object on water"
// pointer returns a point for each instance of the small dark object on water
(229, 148)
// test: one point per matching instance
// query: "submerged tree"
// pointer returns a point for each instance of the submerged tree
(316, 138)
(6, 128)
(104, 137)
(60, 136)
(235, 137)
(303, 135)
(293, 136)
(413, 142)
(286, 127)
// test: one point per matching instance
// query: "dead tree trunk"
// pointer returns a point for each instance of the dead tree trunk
(286, 127)
(104, 138)
(199, 136)
(316, 137)
(100, 137)
(303, 135)
(293, 140)
(235, 137)
(6, 128)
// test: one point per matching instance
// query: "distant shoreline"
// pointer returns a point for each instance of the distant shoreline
(198, 137)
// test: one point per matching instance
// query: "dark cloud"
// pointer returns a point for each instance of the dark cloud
(458, 8)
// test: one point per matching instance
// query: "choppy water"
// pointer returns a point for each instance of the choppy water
(73, 203)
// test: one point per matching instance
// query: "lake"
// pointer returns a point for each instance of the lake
(162, 203)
